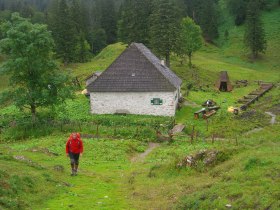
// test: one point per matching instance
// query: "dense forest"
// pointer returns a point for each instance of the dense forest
(81, 28)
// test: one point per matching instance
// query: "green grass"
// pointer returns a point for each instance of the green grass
(4, 82)
(108, 180)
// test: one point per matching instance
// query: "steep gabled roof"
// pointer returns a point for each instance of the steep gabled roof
(224, 76)
(137, 69)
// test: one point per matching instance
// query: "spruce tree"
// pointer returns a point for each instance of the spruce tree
(125, 13)
(82, 47)
(238, 9)
(133, 25)
(67, 24)
(164, 28)
(108, 19)
(76, 15)
(205, 14)
(208, 19)
(97, 39)
(64, 31)
(254, 37)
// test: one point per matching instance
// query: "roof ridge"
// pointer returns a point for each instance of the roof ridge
(135, 44)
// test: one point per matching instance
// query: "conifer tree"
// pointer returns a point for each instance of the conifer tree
(133, 25)
(254, 37)
(238, 9)
(68, 28)
(164, 28)
(108, 19)
(76, 15)
(208, 19)
(125, 13)
(64, 31)
(82, 47)
(205, 14)
(97, 39)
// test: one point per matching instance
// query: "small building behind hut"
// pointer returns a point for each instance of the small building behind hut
(135, 83)
(223, 83)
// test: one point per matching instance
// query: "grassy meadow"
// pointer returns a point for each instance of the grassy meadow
(115, 172)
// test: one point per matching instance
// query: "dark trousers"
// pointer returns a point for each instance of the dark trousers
(74, 158)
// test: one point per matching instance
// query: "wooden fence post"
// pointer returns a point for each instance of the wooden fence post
(92, 127)
(192, 134)
(97, 130)
(61, 126)
(115, 131)
(137, 131)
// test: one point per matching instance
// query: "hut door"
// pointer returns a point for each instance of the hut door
(223, 86)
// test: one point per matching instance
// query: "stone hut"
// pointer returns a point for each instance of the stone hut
(135, 83)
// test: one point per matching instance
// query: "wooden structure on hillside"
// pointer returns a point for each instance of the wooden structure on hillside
(223, 83)
(254, 95)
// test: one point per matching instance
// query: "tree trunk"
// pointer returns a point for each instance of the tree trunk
(190, 60)
(255, 55)
(167, 58)
(33, 112)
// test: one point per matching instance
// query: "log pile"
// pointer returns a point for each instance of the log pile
(241, 83)
(207, 157)
(164, 138)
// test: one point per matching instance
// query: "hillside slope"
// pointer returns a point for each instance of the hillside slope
(230, 55)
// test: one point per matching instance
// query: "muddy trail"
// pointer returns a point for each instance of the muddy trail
(272, 122)
(141, 157)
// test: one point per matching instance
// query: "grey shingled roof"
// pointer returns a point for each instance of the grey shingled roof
(137, 69)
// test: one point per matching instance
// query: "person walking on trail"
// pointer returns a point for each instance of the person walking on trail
(74, 149)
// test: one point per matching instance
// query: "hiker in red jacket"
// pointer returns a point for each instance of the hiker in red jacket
(74, 149)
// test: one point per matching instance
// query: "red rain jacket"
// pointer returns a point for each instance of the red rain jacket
(74, 145)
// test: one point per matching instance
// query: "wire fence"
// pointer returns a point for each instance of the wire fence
(22, 129)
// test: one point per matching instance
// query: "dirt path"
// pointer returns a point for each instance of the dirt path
(141, 157)
(255, 130)
(273, 117)
(272, 122)
(190, 103)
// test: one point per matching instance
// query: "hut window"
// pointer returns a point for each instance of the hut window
(156, 101)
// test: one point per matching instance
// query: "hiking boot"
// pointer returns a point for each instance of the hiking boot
(73, 173)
